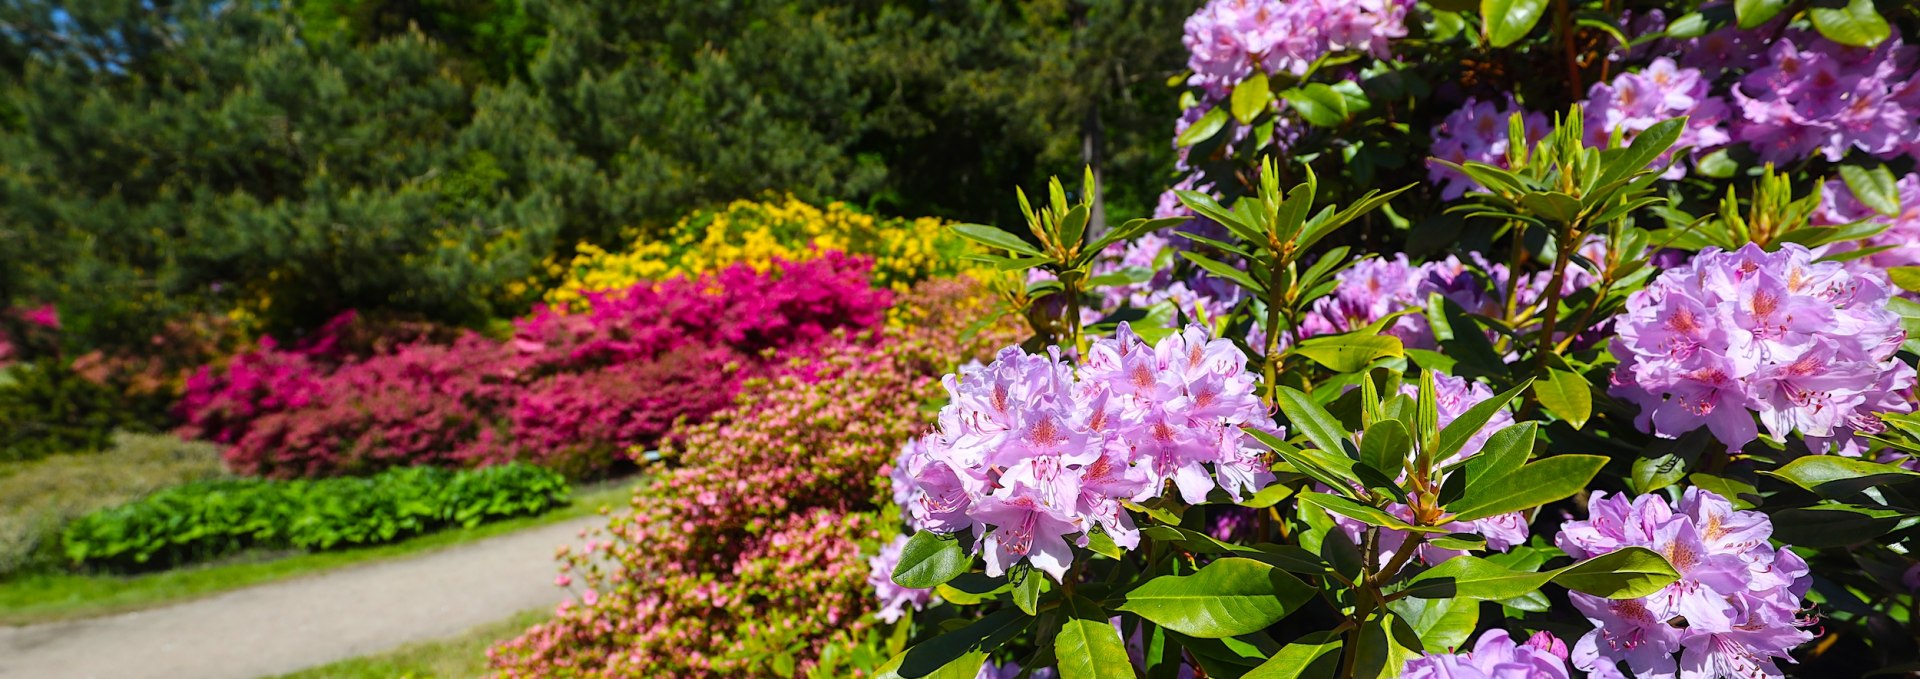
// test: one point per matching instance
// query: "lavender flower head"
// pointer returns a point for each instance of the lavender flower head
(1228, 39)
(1816, 95)
(1027, 455)
(1476, 132)
(1739, 596)
(1808, 346)
(1838, 206)
(1496, 656)
(894, 599)
(1633, 102)
(1453, 395)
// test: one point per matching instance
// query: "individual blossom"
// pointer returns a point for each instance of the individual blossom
(1807, 346)
(1815, 95)
(1453, 396)
(1902, 237)
(1495, 656)
(1734, 611)
(1476, 132)
(1032, 457)
(1633, 102)
(894, 598)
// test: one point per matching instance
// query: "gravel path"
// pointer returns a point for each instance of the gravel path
(295, 624)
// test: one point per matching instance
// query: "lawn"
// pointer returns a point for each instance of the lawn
(46, 597)
(461, 656)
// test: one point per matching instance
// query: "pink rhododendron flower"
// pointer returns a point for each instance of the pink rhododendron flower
(1739, 596)
(1477, 132)
(1633, 102)
(1496, 656)
(1807, 346)
(1902, 237)
(1816, 95)
(1228, 39)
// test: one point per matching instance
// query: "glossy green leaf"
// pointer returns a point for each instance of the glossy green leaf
(957, 654)
(1309, 418)
(1823, 526)
(1251, 97)
(1442, 624)
(1314, 656)
(1349, 352)
(1318, 104)
(1469, 423)
(1229, 597)
(1834, 476)
(1628, 573)
(1752, 13)
(1856, 23)
(1087, 646)
(1203, 129)
(1507, 21)
(1386, 446)
(1506, 451)
(1362, 513)
(1540, 482)
(1874, 188)
(995, 237)
(1027, 588)
(1566, 395)
(930, 559)
(1905, 277)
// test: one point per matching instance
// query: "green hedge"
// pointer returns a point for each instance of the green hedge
(205, 520)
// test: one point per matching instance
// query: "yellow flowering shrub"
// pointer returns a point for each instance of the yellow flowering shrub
(904, 251)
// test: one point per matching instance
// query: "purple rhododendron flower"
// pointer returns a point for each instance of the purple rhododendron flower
(1739, 597)
(1813, 94)
(1453, 395)
(1028, 456)
(1808, 346)
(1902, 237)
(1476, 132)
(1228, 39)
(1633, 102)
(894, 598)
(1496, 656)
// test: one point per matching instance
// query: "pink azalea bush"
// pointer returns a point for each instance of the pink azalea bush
(755, 545)
(575, 389)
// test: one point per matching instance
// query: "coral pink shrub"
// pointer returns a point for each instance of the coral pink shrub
(749, 552)
(572, 388)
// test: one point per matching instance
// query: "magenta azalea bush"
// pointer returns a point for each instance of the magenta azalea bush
(572, 390)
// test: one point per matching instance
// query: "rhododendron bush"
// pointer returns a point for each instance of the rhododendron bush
(573, 390)
(1515, 339)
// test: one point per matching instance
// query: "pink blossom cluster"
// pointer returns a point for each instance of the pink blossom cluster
(1739, 596)
(1027, 455)
(1228, 39)
(1495, 656)
(1476, 132)
(1808, 346)
(894, 598)
(1453, 395)
(575, 390)
(1812, 94)
(1661, 91)
(749, 546)
(1902, 237)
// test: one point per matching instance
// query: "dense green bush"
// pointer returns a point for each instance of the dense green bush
(210, 519)
(39, 498)
(46, 409)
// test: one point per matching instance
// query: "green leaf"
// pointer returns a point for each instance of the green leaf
(1822, 526)
(1225, 270)
(930, 559)
(1547, 480)
(1268, 496)
(1349, 352)
(1856, 24)
(1073, 226)
(1566, 395)
(1309, 418)
(1905, 277)
(1873, 188)
(1362, 513)
(1386, 446)
(1475, 578)
(1229, 597)
(957, 654)
(1251, 97)
(995, 237)
(1752, 13)
(1467, 424)
(1833, 476)
(1318, 104)
(1442, 624)
(1552, 205)
(1203, 129)
(1315, 656)
(1087, 646)
(1507, 21)
(1027, 591)
(1505, 452)
(1645, 149)
(1628, 573)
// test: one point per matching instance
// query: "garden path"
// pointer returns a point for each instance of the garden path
(291, 625)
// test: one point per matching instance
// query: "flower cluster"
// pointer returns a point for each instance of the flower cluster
(760, 234)
(1228, 39)
(1808, 346)
(749, 547)
(1812, 94)
(1027, 455)
(1453, 395)
(1496, 656)
(894, 598)
(1477, 132)
(1739, 596)
(1636, 101)
(1902, 237)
